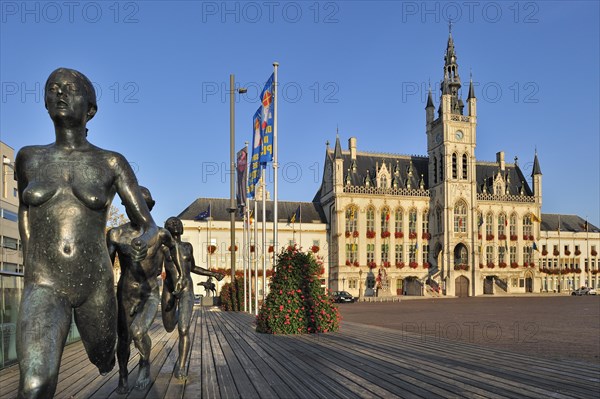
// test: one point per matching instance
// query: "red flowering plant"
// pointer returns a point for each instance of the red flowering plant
(271, 249)
(514, 265)
(315, 248)
(398, 234)
(544, 252)
(348, 263)
(594, 252)
(211, 249)
(502, 236)
(399, 265)
(462, 266)
(370, 234)
(531, 237)
(386, 264)
(232, 295)
(567, 252)
(426, 265)
(355, 233)
(347, 234)
(413, 265)
(481, 265)
(426, 236)
(489, 237)
(372, 265)
(356, 263)
(235, 248)
(514, 237)
(385, 234)
(296, 303)
(412, 235)
(577, 252)
(502, 265)
(490, 265)
(479, 236)
(555, 252)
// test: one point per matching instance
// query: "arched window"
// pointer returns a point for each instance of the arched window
(398, 222)
(441, 168)
(370, 219)
(489, 226)
(502, 223)
(435, 169)
(513, 227)
(460, 217)
(464, 167)
(527, 230)
(438, 220)
(385, 220)
(454, 167)
(412, 222)
(351, 218)
(425, 224)
(383, 182)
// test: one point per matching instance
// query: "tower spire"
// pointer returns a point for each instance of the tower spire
(451, 83)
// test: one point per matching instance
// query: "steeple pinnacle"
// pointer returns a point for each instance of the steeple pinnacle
(451, 83)
(337, 152)
(429, 99)
(536, 166)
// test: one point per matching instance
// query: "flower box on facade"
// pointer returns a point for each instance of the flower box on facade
(502, 236)
(594, 252)
(372, 265)
(567, 252)
(386, 264)
(347, 234)
(385, 234)
(315, 248)
(413, 265)
(426, 236)
(211, 249)
(502, 265)
(271, 249)
(481, 265)
(514, 237)
(489, 237)
(491, 265)
(355, 233)
(544, 252)
(514, 265)
(577, 252)
(348, 263)
(479, 236)
(412, 235)
(426, 265)
(356, 263)
(398, 234)
(555, 252)
(229, 249)
(461, 267)
(370, 234)
(399, 265)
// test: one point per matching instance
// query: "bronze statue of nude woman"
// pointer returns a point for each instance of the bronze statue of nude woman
(65, 192)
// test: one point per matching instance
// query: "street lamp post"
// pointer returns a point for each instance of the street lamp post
(232, 206)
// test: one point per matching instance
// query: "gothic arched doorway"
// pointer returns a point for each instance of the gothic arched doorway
(461, 257)
(461, 287)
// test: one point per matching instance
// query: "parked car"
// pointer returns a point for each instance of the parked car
(584, 291)
(342, 296)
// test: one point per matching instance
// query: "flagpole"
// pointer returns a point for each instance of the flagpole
(300, 215)
(559, 263)
(244, 230)
(275, 164)
(264, 234)
(255, 260)
(245, 248)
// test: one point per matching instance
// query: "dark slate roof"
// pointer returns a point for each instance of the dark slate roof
(365, 167)
(310, 211)
(471, 91)
(536, 166)
(571, 223)
(487, 171)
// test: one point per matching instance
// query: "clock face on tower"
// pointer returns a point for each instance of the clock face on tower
(459, 135)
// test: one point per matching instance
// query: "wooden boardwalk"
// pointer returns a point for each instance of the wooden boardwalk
(230, 360)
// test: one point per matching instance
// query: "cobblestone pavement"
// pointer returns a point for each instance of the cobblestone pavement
(554, 327)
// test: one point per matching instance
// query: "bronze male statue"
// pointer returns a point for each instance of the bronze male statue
(178, 304)
(65, 192)
(137, 293)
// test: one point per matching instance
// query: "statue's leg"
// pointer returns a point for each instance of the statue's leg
(186, 307)
(169, 310)
(124, 342)
(139, 329)
(42, 327)
(97, 324)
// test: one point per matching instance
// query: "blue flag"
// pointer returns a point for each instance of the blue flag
(204, 215)
(267, 98)
(254, 173)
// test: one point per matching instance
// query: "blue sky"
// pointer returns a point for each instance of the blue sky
(162, 69)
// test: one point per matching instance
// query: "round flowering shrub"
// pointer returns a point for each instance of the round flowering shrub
(232, 295)
(297, 304)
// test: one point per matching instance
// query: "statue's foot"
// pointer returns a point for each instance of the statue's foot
(143, 378)
(179, 372)
(123, 387)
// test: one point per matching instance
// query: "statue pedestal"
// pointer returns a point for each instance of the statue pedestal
(369, 292)
(209, 301)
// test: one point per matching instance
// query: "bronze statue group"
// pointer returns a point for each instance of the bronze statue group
(65, 191)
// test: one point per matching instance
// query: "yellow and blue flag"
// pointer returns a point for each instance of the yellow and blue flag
(254, 173)
(267, 98)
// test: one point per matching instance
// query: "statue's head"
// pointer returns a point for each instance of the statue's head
(82, 81)
(147, 197)
(174, 225)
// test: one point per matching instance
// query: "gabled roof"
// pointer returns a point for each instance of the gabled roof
(310, 212)
(487, 171)
(570, 223)
(364, 168)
